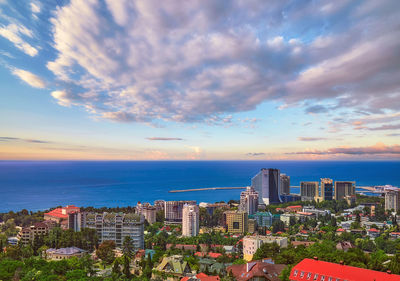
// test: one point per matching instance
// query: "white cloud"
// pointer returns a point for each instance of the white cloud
(35, 8)
(191, 61)
(13, 33)
(29, 78)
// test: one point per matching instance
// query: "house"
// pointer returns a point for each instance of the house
(64, 253)
(373, 232)
(344, 246)
(61, 215)
(210, 265)
(174, 265)
(27, 234)
(201, 277)
(12, 240)
(394, 235)
(182, 247)
(313, 269)
(339, 231)
(256, 271)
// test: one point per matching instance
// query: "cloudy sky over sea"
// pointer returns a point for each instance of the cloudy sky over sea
(245, 79)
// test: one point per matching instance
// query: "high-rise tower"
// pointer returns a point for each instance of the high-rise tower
(190, 220)
(268, 185)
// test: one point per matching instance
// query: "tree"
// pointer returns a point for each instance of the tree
(13, 252)
(127, 270)
(116, 268)
(277, 226)
(266, 250)
(128, 247)
(105, 251)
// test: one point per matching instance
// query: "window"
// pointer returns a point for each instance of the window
(302, 274)
(315, 276)
(295, 273)
(309, 276)
(330, 279)
(322, 278)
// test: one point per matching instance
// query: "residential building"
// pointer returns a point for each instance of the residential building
(190, 220)
(303, 216)
(159, 204)
(61, 215)
(252, 243)
(27, 234)
(313, 269)
(236, 221)
(149, 212)
(291, 209)
(174, 265)
(285, 184)
(326, 189)
(285, 218)
(344, 246)
(74, 221)
(308, 190)
(344, 189)
(173, 211)
(317, 212)
(256, 271)
(248, 201)
(117, 226)
(263, 219)
(373, 233)
(64, 253)
(211, 207)
(392, 199)
(267, 183)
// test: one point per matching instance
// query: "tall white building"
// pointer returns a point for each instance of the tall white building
(173, 211)
(249, 201)
(190, 220)
(268, 185)
(392, 199)
(116, 226)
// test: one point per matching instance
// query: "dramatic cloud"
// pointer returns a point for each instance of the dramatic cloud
(379, 148)
(185, 62)
(14, 32)
(310, 139)
(29, 78)
(255, 154)
(164, 139)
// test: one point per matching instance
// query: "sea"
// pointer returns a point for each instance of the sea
(40, 185)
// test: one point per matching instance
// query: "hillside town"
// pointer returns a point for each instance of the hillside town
(328, 232)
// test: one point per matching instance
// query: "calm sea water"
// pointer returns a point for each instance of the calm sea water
(37, 185)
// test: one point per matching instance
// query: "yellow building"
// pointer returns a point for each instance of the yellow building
(252, 225)
(236, 222)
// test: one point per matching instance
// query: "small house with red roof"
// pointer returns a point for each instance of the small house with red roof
(256, 271)
(373, 232)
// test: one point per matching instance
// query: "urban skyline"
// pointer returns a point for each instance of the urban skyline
(241, 80)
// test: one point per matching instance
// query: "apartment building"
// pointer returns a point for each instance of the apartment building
(190, 220)
(173, 211)
(117, 226)
(236, 222)
(252, 243)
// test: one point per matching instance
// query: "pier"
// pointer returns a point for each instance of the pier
(206, 188)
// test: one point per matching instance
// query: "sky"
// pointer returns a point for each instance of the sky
(201, 79)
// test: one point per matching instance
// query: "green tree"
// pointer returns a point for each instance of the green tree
(105, 251)
(128, 247)
(266, 250)
(126, 269)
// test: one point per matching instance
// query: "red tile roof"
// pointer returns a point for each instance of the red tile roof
(244, 272)
(58, 212)
(202, 277)
(311, 267)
